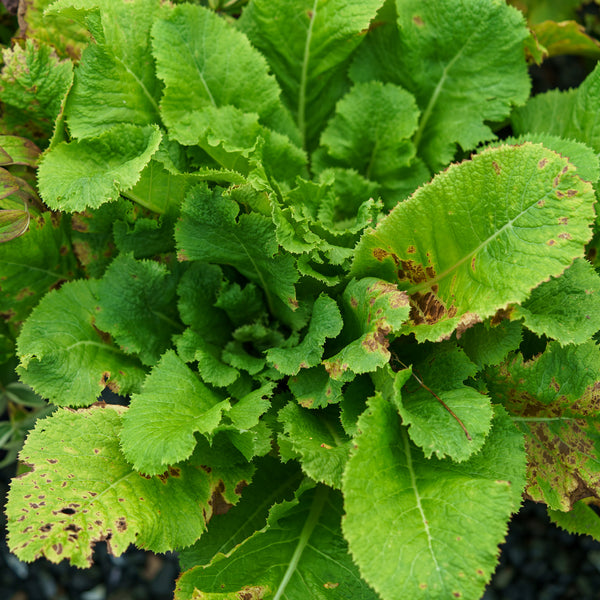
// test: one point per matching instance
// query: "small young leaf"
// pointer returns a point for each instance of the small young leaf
(427, 526)
(459, 264)
(487, 344)
(313, 388)
(65, 358)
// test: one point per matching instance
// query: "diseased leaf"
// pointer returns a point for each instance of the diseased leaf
(373, 309)
(17, 150)
(452, 246)
(300, 554)
(65, 358)
(318, 440)
(212, 230)
(428, 527)
(326, 322)
(135, 307)
(464, 63)
(553, 399)
(566, 308)
(566, 37)
(313, 388)
(308, 47)
(57, 514)
(80, 174)
(159, 427)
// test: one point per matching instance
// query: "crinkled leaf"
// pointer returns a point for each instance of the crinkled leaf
(489, 230)
(488, 343)
(432, 427)
(371, 130)
(463, 62)
(35, 80)
(313, 388)
(33, 263)
(373, 309)
(325, 322)
(54, 513)
(318, 440)
(302, 555)
(159, 427)
(115, 82)
(566, 308)
(212, 230)
(308, 46)
(80, 174)
(428, 527)
(554, 400)
(135, 306)
(65, 358)
(204, 62)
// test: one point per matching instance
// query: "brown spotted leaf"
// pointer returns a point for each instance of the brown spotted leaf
(82, 490)
(555, 400)
(373, 310)
(480, 236)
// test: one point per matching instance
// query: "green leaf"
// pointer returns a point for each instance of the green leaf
(272, 482)
(325, 322)
(80, 174)
(204, 62)
(313, 388)
(566, 308)
(553, 399)
(33, 263)
(18, 151)
(489, 342)
(373, 309)
(428, 527)
(65, 358)
(570, 114)
(582, 519)
(82, 490)
(464, 63)
(300, 555)
(136, 307)
(489, 230)
(115, 82)
(35, 80)
(159, 427)
(318, 440)
(308, 47)
(566, 37)
(371, 130)
(457, 434)
(212, 230)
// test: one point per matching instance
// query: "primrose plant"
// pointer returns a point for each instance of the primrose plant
(348, 357)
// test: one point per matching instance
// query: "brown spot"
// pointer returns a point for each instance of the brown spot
(423, 586)
(503, 313)
(67, 511)
(541, 202)
(46, 528)
(121, 524)
(380, 254)
(556, 181)
(563, 220)
(457, 594)
(353, 302)
(104, 379)
(551, 242)
(219, 505)
(328, 585)
(542, 163)
(418, 21)
(496, 167)
(571, 193)
(72, 527)
(480, 572)
(411, 250)
(144, 476)
(52, 461)
(428, 308)
(96, 451)
(559, 194)
(473, 263)
(240, 486)
(174, 471)
(206, 468)
(564, 236)
(57, 548)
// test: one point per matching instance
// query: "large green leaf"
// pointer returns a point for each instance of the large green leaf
(115, 82)
(65, 358)
(159, 428)
(76, 175)
(308, 46)
(33, 263)
(300, 554)
(553, 399)
(212, 230)
(428, 527)
(82, 490)
(464, 62)
(480, 236)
